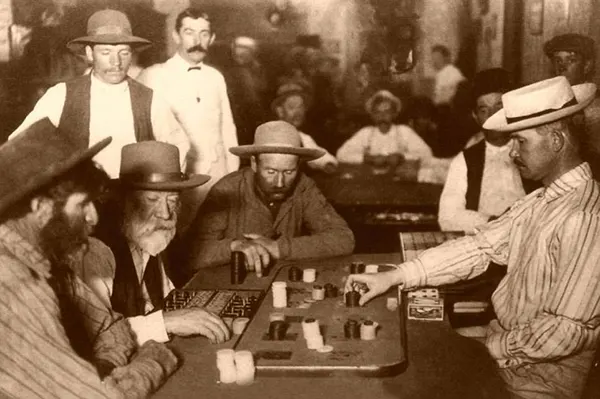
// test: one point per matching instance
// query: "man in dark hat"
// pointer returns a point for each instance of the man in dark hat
(106, 99)
(573, 56)
(482, 180)
(548, 305)
(134, 278)
(58, 339)
(269, 211)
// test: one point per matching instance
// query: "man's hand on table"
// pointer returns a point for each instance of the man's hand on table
(196, 321)
(256, 253)
(376, 284)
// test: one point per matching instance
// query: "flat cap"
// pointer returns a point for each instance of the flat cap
(571, 42)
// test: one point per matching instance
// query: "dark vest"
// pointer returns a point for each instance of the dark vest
(475, 160)
(76, 111)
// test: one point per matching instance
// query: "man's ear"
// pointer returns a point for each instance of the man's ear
(279, 111)
(587, 67)
(558, 140)
(89, 53)
(176, 38)
(42, 209)
(253, 163)
(212, 39)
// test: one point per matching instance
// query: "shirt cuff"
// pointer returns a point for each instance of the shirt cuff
(413, 274)
(285, 247)
(149, 327)
(497, 344)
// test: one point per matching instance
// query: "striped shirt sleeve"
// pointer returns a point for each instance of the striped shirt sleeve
(566, 322)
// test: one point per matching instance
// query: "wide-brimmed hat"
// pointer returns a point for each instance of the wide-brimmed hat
(108, 27)
(288, 90)
(154, 165)
(277, 137)
(37, 156)
(386, 95)
(540, 103)
(571, 42)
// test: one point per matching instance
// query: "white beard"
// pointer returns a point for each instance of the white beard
(147, 236)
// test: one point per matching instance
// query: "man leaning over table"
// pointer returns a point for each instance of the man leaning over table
(107, 101)
(134, 266)
(270, 210)
(548, 304)
(58, 339)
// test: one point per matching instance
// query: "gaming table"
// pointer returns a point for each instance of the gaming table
(439, 363)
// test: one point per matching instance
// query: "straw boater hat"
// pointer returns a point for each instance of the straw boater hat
(383, 94)
(37, 156)
(108, 27)
(540, 103)
(288, 90)
(277, 137)
(154, 165)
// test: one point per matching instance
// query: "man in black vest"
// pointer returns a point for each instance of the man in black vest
(106, 100)
(134, 278)
(482, 180)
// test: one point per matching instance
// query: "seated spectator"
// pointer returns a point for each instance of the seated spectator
(133, 269)
(290, 106)
(447, 75)
(269, 211)
(482, 181)
(58, 339)
(384, 141)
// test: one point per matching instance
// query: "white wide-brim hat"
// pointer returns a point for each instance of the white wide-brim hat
(540, 103)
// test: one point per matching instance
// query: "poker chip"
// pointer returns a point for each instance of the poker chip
(304, 306)
(325, 349)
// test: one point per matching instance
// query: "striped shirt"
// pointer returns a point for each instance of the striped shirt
(36, 358)
(548, 305)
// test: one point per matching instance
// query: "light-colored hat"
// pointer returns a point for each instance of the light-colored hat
(108, 27)
(383, 94)
(154, 165)
(540, 103)
(277, 137)
(37, 156)
(245, 41)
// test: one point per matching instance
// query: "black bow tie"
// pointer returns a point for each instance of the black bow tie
(196, 68)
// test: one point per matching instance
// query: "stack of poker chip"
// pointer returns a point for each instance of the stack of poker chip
(313, 337)
(235, 366)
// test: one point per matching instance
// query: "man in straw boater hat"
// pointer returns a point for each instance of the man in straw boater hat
(106, 99)
(58, 339)
(290, 105)
(134, 266)
(384, 142)
(548, 304)
(270, 210)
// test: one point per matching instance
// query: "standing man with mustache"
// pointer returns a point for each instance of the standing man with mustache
(58, 339)
(134, 278)
(197, 94)
(106, 100)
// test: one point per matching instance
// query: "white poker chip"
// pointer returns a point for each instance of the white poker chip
(304, 306)
(325, 349)
(310, 300)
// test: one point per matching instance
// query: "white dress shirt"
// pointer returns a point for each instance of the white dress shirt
(501, 186)
(98, 271)
(110, 115)
(446, 83)
(319, 163)
(198, 98)
(401, 139)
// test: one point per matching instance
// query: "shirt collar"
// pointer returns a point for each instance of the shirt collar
(23, 250)
(178, 62)
(568, 182)
(493, 150)
(98, 85)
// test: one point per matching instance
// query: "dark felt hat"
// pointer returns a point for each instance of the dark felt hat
(571, 42)
(37, 156)
(494, 80)
(154, 165)
(108, 27)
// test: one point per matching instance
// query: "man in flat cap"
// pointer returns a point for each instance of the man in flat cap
(548, 305)
(573, 56)
(270, 210)
(106, 99)
(133, 269)
(58, 339)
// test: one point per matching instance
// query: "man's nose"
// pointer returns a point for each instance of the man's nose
(91, 214)
(514, 149)
(280, 180)
(162, 210)
(115, 60)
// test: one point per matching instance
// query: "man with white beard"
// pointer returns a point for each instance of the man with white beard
(135, 277)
